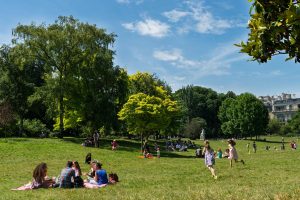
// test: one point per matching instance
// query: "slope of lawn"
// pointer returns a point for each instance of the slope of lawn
(270, 174)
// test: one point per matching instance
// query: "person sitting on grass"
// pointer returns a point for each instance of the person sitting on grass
(114, 145)
(91, 173)
(67, 176)
(100, 179)
(219, 153)
(39, 179)
(226, 153)
(78, 182)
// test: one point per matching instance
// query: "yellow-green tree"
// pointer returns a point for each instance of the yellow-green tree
(145, 114)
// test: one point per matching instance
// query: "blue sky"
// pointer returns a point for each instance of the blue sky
(182, 41)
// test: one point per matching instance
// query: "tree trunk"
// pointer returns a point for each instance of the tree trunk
(21, 126)
(61, 108)
(142, 143)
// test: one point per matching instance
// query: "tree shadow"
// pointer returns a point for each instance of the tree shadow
(132, 145)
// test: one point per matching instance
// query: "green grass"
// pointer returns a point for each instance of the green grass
(266, 174)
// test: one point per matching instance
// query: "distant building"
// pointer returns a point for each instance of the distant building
(282, 107)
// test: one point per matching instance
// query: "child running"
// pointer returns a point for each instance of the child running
(233, 153)
(209, 159)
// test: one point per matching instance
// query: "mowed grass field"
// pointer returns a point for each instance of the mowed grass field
(270, 174)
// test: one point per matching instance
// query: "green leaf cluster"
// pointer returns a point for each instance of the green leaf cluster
(244, 116)
(274, 29)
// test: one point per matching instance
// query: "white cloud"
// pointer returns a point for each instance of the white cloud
(198, 18)
(149, 27)
(216, 65)
(175, 15)
(123, 1)
(173, 55)
(130, 1)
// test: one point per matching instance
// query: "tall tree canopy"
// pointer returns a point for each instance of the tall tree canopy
(201, 102)
(19, 75)
(244, 116)
(79, 65)
(147, 83)
(274, 29)
(146, 115)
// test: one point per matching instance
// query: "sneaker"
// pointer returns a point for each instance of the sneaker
(216, 177)
(243, 162)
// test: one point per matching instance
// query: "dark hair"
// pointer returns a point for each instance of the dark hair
(69, 163)
(39, 172)
(231, 142)
(98, 165)
(76, 164)
(113, 177)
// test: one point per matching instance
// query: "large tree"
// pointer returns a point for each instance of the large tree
(74, 53)
(147, 115)
(244, 116)
(19, 75)
(274, 30)
(201, 102)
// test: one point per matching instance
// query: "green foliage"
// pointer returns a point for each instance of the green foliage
(77, 57)
(274, 29)
(201, 102)
(146, 114)
(34, 128)
(294, 124)
(194, 127)
(274, 126)
(244, 116)
(147, 83)
(19, 75)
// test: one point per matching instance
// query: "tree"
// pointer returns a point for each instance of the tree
(201, 102)
(20, 74)
(70, 51)
(294, 124)
(274, 30)
(274, 126)
(6, 115)
(146, 115)
(194, 127)
(244, 116)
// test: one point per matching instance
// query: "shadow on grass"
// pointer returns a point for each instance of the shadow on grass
(132, 145)
(266, 141)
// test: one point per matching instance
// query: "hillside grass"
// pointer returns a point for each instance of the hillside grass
(270, 174)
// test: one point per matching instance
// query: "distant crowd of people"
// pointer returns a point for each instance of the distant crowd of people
(179, 145)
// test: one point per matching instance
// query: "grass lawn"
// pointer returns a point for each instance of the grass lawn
(270, 174)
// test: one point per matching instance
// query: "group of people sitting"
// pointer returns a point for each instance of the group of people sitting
(70, 177)
(179, 145)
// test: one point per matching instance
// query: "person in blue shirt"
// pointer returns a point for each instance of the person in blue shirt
(100, 178)
(101, 175)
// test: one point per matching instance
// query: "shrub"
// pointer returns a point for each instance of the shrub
(34, 128)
